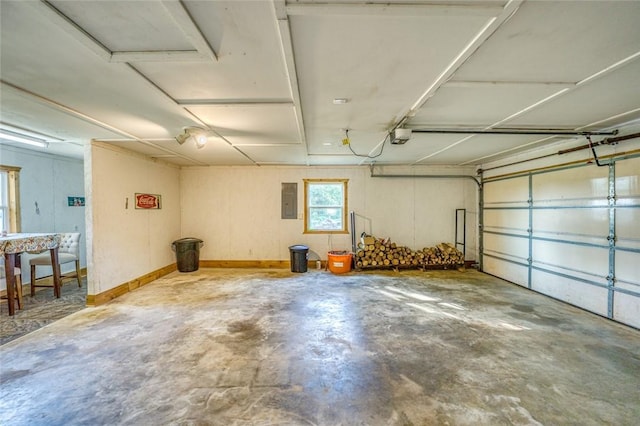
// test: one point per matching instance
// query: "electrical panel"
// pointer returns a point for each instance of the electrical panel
(289, 200)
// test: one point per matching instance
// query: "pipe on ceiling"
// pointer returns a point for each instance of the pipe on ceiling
(509, 131)
(374, 175)
(591, 145)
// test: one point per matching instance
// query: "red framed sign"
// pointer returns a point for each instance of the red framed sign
(148, 201)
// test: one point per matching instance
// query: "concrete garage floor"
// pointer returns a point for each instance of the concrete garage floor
(269, 347)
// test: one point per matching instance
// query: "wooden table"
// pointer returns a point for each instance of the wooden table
(14, 244)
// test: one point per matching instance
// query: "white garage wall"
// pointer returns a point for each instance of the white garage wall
(570, 232)
(236, 210)
(126, 243)
(48, 180)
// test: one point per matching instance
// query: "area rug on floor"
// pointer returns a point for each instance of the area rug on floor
(40, 310)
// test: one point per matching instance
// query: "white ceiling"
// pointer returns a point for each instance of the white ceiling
(262, 75)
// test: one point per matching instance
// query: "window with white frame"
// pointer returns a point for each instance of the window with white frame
(325, 206)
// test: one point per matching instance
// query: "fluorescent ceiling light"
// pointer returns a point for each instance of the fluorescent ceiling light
(28, 140)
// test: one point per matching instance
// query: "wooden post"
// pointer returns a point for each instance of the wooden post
(9, 266)
(56, 272)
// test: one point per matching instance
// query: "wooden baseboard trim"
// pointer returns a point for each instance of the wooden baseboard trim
(107, 296)
(261, 264)
(266, 264)
(104, 297)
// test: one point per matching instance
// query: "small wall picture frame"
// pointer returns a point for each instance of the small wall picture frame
(148, 201)
(75, 201)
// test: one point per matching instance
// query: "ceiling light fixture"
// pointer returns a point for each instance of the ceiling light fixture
(197, 134)
(18, 137)
(340, 101)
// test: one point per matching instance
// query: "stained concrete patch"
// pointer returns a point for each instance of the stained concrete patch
(248, 347)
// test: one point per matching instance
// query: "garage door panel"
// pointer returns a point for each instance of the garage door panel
(572, 223)
(586, 296)
(506, 270)
(514, 248)
(507, 191)
(584, 263)
(628, 179)
(628, 227)
(626, 309)
(628, 268)
(514, 220)
(576, 183)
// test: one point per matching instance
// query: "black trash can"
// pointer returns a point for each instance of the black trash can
(299, 255)
(187, 253)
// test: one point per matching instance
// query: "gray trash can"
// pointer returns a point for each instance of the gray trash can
(187, 253)
(299, 255)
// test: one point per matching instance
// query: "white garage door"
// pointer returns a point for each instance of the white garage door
(571, 233)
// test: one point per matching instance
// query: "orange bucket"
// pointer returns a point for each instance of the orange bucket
(339, 262)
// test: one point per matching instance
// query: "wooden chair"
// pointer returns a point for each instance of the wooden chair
(18, 273)
(68, 251)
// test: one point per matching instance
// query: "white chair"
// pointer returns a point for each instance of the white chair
(68, 251)
(3, 282)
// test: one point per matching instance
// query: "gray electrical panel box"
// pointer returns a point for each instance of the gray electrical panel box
(289, 200)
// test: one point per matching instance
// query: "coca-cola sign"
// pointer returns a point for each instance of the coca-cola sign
(148, 201)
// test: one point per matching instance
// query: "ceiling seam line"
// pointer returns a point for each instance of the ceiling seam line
(529, 108)
(86, 39)
(478, 40)
(621, 63)
(613, 117)
(151, 82)
(506, 151)
(469, 50)
(443, 149)
(158, 56)
(72, 29)
(89, 41)
(185, 22)
(386, 9)
(286, 44)
(212, 129)
(593, 77)
(286, 49)
(234, 102)
(91, 120)
(462, 57)
(571, 87)
(189, 112)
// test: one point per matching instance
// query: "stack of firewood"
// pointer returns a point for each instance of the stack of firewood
(442, 254)
(381, 253)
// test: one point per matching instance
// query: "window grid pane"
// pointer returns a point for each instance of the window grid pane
(325, 194)
(325, 219)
